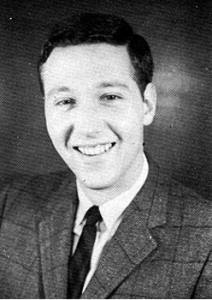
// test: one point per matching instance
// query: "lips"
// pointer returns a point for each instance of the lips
(95, 149)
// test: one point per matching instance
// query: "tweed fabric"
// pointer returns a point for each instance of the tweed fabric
(162, 248)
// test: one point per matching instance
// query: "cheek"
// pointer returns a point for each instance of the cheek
(130, 122)
(56, 128)
(56, 123)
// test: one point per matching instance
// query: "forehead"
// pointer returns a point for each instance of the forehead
(88, 62)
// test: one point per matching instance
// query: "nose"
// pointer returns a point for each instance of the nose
(88, 122)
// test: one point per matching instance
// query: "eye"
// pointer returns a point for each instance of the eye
(66, 101)
(111, 97)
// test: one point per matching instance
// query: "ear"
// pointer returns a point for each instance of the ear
(150, 100)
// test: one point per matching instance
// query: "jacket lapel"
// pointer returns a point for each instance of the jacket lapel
(56, 241)
(132, 241)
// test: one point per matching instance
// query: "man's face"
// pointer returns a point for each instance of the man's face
(95, 114)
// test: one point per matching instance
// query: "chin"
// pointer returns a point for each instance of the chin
(96, 184)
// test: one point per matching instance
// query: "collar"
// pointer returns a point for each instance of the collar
(112, 210)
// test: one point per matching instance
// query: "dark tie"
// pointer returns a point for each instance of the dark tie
(79, 264)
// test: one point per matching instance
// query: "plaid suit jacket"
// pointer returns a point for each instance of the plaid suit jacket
(162, 248)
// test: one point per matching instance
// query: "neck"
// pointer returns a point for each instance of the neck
(102, 195)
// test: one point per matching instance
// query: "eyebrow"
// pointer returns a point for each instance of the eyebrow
(58, 90)
(101, 85)
(113, 84)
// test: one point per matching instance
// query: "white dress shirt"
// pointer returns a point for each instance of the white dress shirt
(111, 212)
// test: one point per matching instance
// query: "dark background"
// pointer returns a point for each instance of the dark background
(180, 35)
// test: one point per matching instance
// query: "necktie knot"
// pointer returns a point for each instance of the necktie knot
(93, 216)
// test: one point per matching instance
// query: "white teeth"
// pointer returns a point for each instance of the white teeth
(108, 146)
(95, 150)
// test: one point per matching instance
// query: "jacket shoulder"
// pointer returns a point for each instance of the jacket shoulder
(192, 208)
(24, 196)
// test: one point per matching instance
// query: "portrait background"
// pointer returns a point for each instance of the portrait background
(180, 36)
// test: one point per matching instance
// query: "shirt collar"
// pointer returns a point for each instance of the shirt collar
(112, 210)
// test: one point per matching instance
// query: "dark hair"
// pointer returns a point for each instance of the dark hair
(91, 28)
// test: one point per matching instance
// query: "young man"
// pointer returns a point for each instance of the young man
(145, 236)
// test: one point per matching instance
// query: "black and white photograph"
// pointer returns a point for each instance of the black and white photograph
(105, 149)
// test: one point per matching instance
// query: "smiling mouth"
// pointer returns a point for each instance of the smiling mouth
(94, 150)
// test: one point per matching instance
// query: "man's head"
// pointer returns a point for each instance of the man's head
(98, 97)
